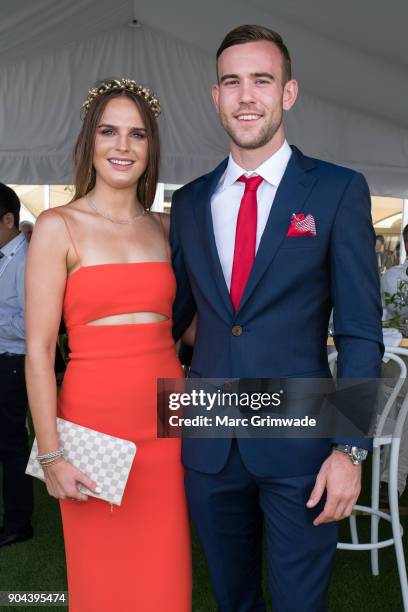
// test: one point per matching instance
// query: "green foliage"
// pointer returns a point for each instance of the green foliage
(397, 302)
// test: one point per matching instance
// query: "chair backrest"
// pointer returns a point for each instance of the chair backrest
(394, 352)
(391, 353)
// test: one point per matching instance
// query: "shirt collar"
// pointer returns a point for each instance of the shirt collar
(10, 246)
(271, 170)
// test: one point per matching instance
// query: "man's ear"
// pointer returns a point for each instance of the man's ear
(215, 92)
(290, 93)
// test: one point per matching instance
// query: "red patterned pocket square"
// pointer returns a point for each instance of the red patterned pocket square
(301, 225)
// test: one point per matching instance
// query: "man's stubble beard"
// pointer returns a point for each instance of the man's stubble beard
(261, 139)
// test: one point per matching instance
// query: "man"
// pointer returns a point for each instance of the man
(380, 252)
(26, 228)
(390, 283)
(17, 487)
(263, 280)
(384, 258)
(392, 278)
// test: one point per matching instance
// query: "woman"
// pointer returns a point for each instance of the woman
(103, 261)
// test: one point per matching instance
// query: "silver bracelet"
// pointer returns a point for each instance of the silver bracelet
(55, 453)
(45, 462)
(48, 462)
(43, 459)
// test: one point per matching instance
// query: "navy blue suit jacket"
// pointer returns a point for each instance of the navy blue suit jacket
(286, 305)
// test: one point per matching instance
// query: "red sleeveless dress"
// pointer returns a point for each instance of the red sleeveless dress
(137, 556)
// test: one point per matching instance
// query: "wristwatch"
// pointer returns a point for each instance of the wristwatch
(356, 454)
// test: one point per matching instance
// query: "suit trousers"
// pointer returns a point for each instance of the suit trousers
(232, 508)
(14, 453)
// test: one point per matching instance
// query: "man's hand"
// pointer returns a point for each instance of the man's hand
(342, 480)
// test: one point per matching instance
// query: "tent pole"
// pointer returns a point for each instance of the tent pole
(46, 197)
(158, 204)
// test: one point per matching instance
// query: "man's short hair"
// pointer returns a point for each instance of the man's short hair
(254, 33)
(25, 223)
(381, 238)
(9, 203)
(405, 234)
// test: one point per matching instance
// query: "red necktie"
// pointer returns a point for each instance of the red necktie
(245, 239)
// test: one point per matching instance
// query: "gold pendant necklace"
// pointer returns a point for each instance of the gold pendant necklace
(111, 219)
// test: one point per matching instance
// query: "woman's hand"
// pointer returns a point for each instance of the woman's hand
(62, 478)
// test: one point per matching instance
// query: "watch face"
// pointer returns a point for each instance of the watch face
(359, 453)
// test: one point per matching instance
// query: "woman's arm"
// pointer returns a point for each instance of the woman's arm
(45, 285)
(46, 275)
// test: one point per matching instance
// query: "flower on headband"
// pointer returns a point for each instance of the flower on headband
(127, 84)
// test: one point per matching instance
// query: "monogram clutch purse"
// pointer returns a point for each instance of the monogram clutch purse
(105, 459)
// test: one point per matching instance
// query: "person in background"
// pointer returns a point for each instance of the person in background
(379, 243)
(26, 227)
(385, 256)
(380, 251)
(392, 278)
(395, 255)
(390, 281)
(17, 487)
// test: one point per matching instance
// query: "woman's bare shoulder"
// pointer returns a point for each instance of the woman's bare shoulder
(72, 215)
(57, 220)
(73, 208)
(65, 209)
(49, 220)
(50, 237)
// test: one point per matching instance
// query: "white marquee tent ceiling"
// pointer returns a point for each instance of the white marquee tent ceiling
(351, 59)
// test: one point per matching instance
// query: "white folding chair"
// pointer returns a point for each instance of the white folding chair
(387, 432)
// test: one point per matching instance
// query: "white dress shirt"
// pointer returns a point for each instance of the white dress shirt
(12, 266)
(390, 281)
(227, 197)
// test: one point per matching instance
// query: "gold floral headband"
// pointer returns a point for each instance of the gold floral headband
(127, 84)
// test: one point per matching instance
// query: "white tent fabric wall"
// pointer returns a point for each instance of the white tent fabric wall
(40, 103)
(374, 147)
(41, 95)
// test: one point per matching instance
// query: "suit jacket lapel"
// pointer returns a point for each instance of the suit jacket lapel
(206, 230)
(290, 197)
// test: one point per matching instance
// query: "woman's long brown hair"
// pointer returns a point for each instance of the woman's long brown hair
(84, 148)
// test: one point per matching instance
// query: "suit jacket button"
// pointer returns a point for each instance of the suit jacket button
(237, 330)
(227, 386)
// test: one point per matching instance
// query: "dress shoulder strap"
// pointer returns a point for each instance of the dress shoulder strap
(69, 232)
(166, 242)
